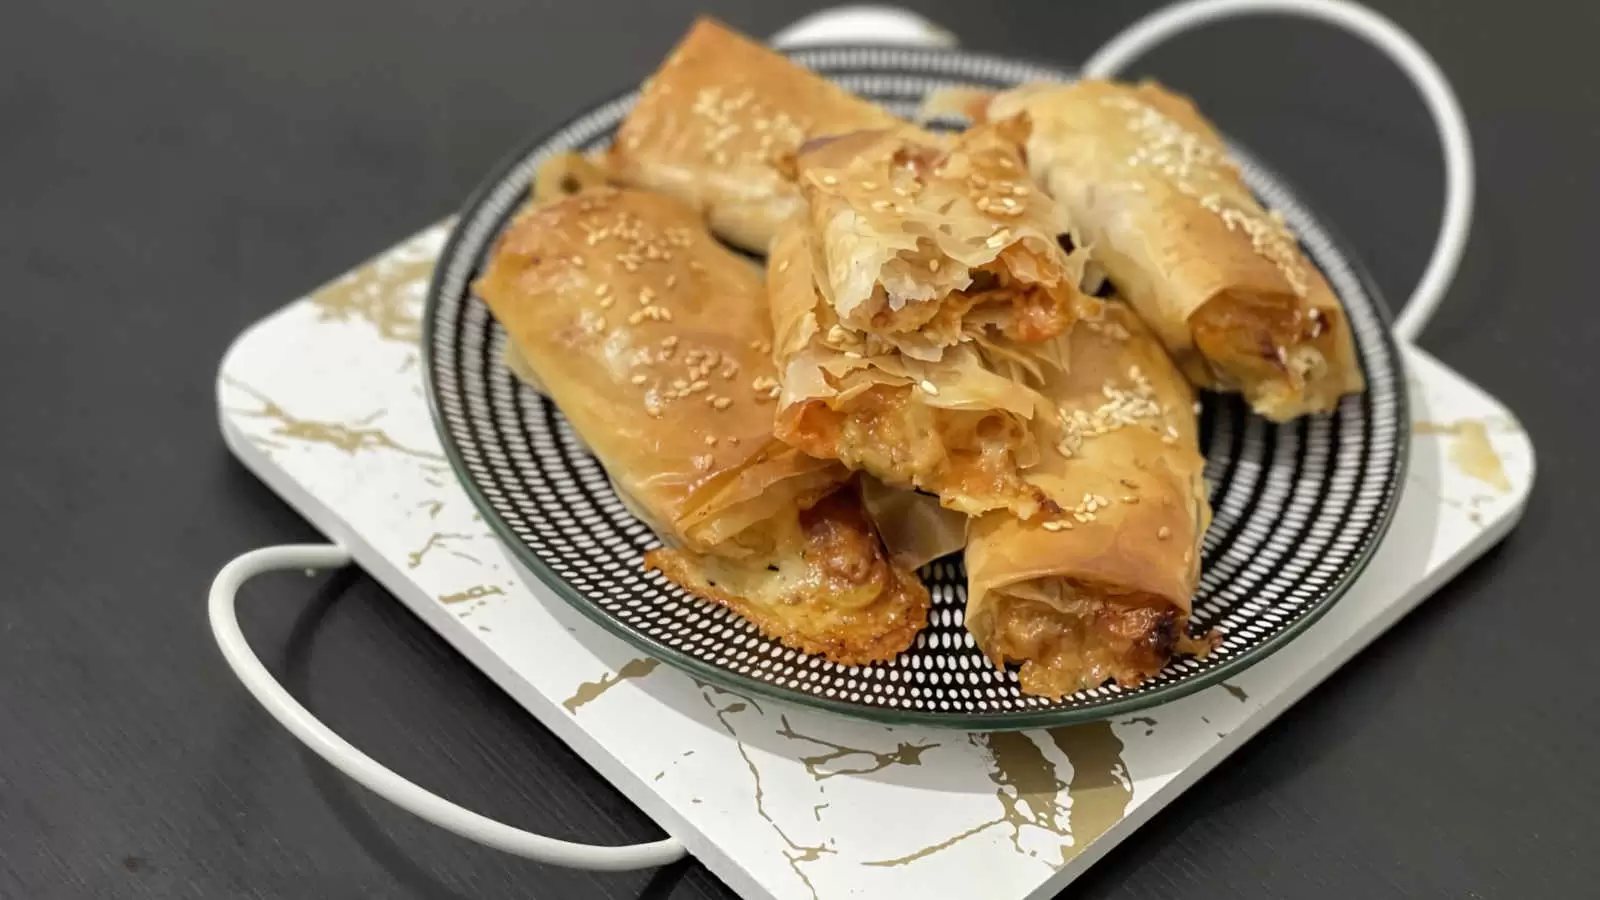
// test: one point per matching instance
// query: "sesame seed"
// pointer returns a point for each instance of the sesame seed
(933, 265)
(929, 387)
(880, 205)
(698, 386)
(711, 440)
(722, 403)
(602, 289)
(671, 280)
(829, 180)
(605, 302)
(1054, 526)
(1164, 533)
(999, 238)
(783, 266)
(1129, 498)
(638, 379)
(869, 185)
(636, 317)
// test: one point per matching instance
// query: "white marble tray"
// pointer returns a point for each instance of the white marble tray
(324, 401)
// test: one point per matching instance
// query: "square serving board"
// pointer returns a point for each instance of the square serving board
(324, 401)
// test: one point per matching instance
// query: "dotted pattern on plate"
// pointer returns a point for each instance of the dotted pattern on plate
(1297, 506)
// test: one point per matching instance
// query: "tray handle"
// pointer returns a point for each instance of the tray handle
(344, 756)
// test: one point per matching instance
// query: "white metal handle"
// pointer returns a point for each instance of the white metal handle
(863, 24)
(343, 756)
(1456, 222)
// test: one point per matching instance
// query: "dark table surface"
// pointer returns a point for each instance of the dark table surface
(171, 171)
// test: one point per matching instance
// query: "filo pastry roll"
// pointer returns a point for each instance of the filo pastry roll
(1102, 591)
(924, 243)
(954, 428)
(653, 339)
(717, 126)
(1148, 184)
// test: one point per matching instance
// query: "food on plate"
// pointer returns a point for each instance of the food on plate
(654, 340)
(1102, 590)
(924, 243)
(717, 126)
(985, 342)
(1149, 186)
(956, 428)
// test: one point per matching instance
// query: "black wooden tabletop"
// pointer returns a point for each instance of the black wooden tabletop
(171, 171)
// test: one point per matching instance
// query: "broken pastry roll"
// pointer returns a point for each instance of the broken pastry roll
(956, 428)
(925, 243)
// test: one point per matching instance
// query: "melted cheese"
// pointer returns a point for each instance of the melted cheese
(820, 583)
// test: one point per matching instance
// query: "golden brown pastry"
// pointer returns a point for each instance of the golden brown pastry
(1102, 590)
(654, 340)
(1148, 185)
(560, 176)
(923, 243)
(717, 127)
(955, 428)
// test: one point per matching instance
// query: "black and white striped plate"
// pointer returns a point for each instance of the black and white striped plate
(1299, 507)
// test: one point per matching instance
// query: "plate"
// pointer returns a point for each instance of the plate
(1299, 508)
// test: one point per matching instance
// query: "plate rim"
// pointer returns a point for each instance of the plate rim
(959, 720)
